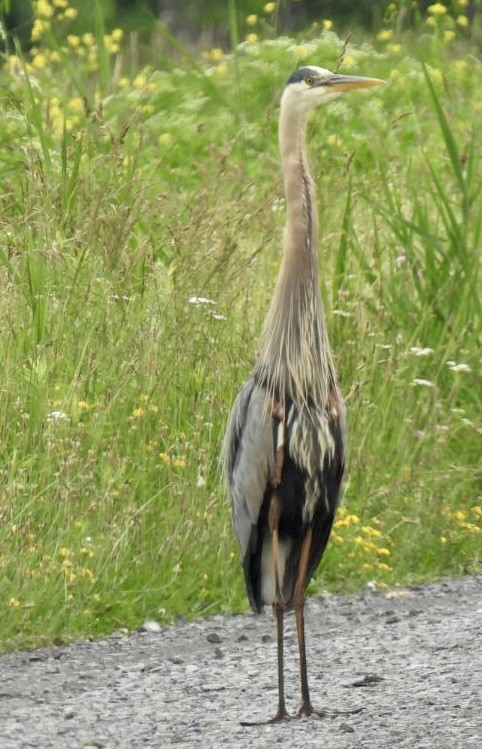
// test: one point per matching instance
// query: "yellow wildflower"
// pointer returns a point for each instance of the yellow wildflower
(179, 463)
(60, 3)
(138, 413)
(384, 35)
(71, 13)
(73, 40)
(437, 9)
(462, 21)
(251, 38)
(373, 532)
(14, 62)
(38, 29)
(14, 603)
(112, 47)
(449, 36)
(384, 567)
(384, 552)
(252, 20)
(395, 48)
(139, 81)
(117, 35)
(216, 54)
(327, 24)
(39, 61)
(76, 104)
(269, 7)
(44, 9)
(88, 38)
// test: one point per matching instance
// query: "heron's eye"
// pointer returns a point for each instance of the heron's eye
(309, 81)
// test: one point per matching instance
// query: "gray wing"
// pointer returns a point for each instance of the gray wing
(248, 458)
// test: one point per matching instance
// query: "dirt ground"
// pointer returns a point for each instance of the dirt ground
(411, 658)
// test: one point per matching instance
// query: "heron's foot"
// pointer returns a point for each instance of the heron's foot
(307, 709)
(281, 717)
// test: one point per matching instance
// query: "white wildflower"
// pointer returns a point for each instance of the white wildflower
(57, 416)
(417, 351)
(459, 367)
(424, 383)
(200, 300)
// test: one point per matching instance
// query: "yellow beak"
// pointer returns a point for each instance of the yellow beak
(350, 82)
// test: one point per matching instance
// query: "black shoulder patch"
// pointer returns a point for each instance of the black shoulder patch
(300, 75)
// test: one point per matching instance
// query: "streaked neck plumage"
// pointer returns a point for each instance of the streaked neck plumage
(295, 360)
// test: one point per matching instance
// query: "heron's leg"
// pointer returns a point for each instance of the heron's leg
(299, 597)
(281, 713)
(274, 514)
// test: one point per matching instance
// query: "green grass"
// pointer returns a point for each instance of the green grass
(115, 386)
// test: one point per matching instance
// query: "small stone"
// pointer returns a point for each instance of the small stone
(346, 728)
(368, 680)
(150, 626)
(214, 638)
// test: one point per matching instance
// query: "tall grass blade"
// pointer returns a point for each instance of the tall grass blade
(341, 255)
(35, 118)
(447, 134)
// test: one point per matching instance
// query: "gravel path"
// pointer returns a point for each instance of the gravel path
(410, 657)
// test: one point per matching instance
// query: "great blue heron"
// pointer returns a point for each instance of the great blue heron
(284, 449)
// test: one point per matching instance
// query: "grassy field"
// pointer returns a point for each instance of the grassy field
(141, 219)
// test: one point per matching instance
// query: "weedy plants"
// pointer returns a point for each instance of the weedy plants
(141, 214)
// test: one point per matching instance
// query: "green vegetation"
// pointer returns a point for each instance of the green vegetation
(142, 217)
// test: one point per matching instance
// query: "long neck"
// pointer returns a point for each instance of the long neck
(300, 238)
(295, 360)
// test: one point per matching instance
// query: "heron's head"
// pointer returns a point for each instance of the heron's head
(310, 86)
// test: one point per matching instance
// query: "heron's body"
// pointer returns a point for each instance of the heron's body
(284, 449)
(311, 475)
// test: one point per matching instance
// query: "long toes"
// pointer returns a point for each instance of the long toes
(307, 710)
(278, 718)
